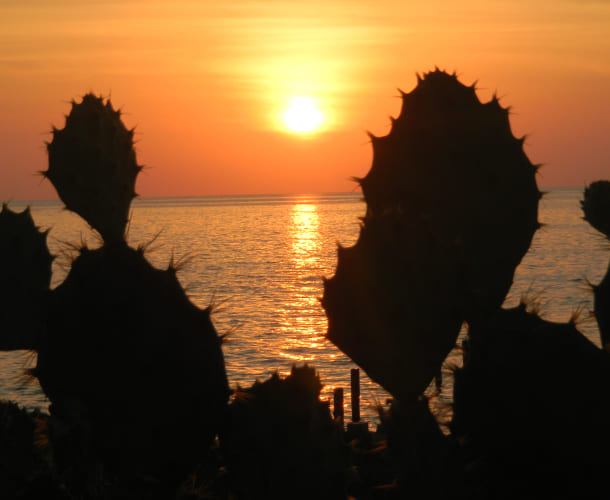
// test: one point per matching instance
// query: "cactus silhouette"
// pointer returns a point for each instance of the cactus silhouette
(452, 207)
(25, 274)
(134, 370)
(92, 165)
(530, 406)
(596, 207)
(281, 442)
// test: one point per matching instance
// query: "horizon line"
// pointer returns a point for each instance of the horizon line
(245, 195)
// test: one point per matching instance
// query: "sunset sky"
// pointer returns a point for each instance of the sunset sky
(207, 84)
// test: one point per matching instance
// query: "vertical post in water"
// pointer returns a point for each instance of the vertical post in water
(355, 376)
(338, 404)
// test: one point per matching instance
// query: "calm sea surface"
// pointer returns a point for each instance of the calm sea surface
(260, 259)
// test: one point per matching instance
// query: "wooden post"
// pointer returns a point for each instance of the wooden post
(338, 404)
(355, 378)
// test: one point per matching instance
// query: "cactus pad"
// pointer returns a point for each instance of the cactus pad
(25, 277)
(452, 207)
(596, 206)
(92, 165)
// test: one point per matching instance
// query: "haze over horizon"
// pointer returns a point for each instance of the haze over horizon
(263, 97)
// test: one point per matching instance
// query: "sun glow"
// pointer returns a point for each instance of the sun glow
(302, 115)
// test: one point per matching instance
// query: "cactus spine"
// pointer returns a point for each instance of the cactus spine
(452, 207)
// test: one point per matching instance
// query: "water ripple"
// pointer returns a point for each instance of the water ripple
(260, 260)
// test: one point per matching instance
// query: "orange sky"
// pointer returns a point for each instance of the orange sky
(207, 83)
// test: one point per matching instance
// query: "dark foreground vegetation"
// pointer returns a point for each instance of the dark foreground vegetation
(140, 405)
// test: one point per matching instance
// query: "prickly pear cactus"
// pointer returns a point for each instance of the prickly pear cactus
(452, 207)
(134, 371)
(281, 442)
(596, 207)
(128, 354)
(530, 407)
(92, 165)
(25, 275)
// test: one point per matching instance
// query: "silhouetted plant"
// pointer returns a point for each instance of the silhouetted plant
(531, 409)
(281, 442)
(596, 207)
(93, 167)
(134, 370)
(25, 277)
(451, 209)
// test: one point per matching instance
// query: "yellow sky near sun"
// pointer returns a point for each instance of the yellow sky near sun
(207, 83)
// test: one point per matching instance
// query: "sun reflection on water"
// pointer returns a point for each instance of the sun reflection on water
(301, 316)
(305, 236)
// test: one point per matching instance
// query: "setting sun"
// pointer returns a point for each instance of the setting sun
(302, 115)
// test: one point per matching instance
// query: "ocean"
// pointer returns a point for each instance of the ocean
(260, 261)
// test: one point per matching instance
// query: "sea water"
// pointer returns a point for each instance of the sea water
(260, 261)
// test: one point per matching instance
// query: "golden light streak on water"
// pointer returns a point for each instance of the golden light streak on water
(301, 321)
(305, 236)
